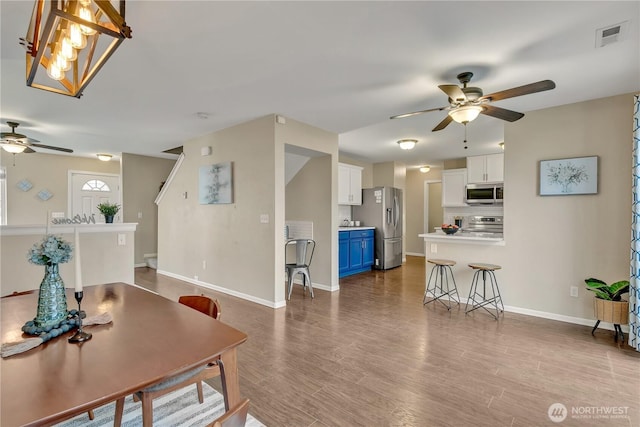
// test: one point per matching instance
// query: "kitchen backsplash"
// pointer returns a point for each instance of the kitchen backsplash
(449, 214)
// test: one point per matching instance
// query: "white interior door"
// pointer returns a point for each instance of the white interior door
(89, 190)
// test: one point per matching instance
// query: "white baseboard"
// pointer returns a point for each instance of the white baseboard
(150, 255)
(271, 304)
(551, 316)
(414, 254)
(144, 264)
(318, 286)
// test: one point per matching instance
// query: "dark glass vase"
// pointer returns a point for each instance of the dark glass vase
(52, 299)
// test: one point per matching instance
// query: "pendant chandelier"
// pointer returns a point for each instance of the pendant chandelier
(68, 42)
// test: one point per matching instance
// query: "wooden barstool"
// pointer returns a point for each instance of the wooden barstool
(483, 299)
(435, 289)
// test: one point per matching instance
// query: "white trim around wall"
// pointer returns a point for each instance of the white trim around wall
(167, 183)
(277, 304)
(414, 254)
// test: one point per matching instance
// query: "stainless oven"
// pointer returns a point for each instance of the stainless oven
(484, 194)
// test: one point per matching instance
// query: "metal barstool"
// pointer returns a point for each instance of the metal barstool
(483, 300)
(442, 270)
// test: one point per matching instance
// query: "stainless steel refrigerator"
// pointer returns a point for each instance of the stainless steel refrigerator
(382, 208)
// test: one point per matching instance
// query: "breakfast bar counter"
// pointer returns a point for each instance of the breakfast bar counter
(465, 238)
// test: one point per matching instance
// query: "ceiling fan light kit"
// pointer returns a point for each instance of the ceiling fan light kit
(407, 144)
(465, 113)
(13, 148)
(71, 41)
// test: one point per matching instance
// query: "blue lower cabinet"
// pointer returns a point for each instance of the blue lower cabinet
(355, 252)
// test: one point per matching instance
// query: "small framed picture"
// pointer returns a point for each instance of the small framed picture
(563, 177)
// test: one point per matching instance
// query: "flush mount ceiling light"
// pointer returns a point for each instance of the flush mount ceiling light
(465, 113)
(501, 145)
(407, 144)
(104, 157)
(68, 42)
(425, 169)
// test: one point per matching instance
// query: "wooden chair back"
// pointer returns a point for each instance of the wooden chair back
(204, 304)
(17, 294)
(234, 417)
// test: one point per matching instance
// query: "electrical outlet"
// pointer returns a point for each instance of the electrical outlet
(195, 277)
(204, 264)
(574, 291)
(264, 218)
(122, 239)
(434, 248)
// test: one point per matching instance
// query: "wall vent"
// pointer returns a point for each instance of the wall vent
(611, 34)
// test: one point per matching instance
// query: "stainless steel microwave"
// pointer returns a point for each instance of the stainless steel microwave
(484, 194)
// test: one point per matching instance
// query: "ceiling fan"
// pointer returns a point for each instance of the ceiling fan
(466, 102)
(15, 143)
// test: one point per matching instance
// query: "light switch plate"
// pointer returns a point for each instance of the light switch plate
(264, 218)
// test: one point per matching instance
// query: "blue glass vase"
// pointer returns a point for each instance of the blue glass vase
(52, 299)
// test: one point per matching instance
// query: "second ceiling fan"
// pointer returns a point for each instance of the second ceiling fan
(466, 102)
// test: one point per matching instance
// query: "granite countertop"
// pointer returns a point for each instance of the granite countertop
(363, 227)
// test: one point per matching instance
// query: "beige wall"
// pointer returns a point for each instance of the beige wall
(243, 256)
(44, 171)
(143, 176)
(308, 198)
(575, 237)
(103, 260)
(414, 201)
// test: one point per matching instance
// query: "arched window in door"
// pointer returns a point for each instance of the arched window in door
(95, 185)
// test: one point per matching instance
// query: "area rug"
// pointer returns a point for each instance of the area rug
(180, 408)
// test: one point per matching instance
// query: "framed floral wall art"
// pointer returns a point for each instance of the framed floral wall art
(216, 184)
(561, 177)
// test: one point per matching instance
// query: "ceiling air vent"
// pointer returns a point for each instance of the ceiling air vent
(611, 34)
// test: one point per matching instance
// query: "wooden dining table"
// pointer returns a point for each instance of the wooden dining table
(151, 338)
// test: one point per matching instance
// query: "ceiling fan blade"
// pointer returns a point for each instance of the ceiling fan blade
(540, 86)
(402, 116)
(29, 150)
(501, 113)
(50, 147)
(443, 124)
(454, 92)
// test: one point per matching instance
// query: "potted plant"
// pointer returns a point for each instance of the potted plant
(109, 210)
(609, 305)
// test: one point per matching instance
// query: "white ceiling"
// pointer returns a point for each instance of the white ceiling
(341, 66)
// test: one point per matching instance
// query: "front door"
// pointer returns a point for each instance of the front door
(88, 190)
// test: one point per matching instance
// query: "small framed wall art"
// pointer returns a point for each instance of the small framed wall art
(562, 177)
(216, 184)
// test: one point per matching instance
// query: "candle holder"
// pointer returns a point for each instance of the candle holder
(80, 335)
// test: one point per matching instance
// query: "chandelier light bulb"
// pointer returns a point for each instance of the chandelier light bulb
(77, 37)
(60, 60)
(67, 50)
(54, 71)
(86, 13)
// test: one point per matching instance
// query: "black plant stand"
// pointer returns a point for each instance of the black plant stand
(617, 331)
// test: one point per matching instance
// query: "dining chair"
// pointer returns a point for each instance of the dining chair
(304, 249)
(205, 305)
(235, 417)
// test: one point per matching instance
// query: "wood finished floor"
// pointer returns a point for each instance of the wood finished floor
(373, 355)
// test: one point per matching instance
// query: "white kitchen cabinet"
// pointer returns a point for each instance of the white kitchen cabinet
(453, 187)
(489, 168)
(349, 184)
